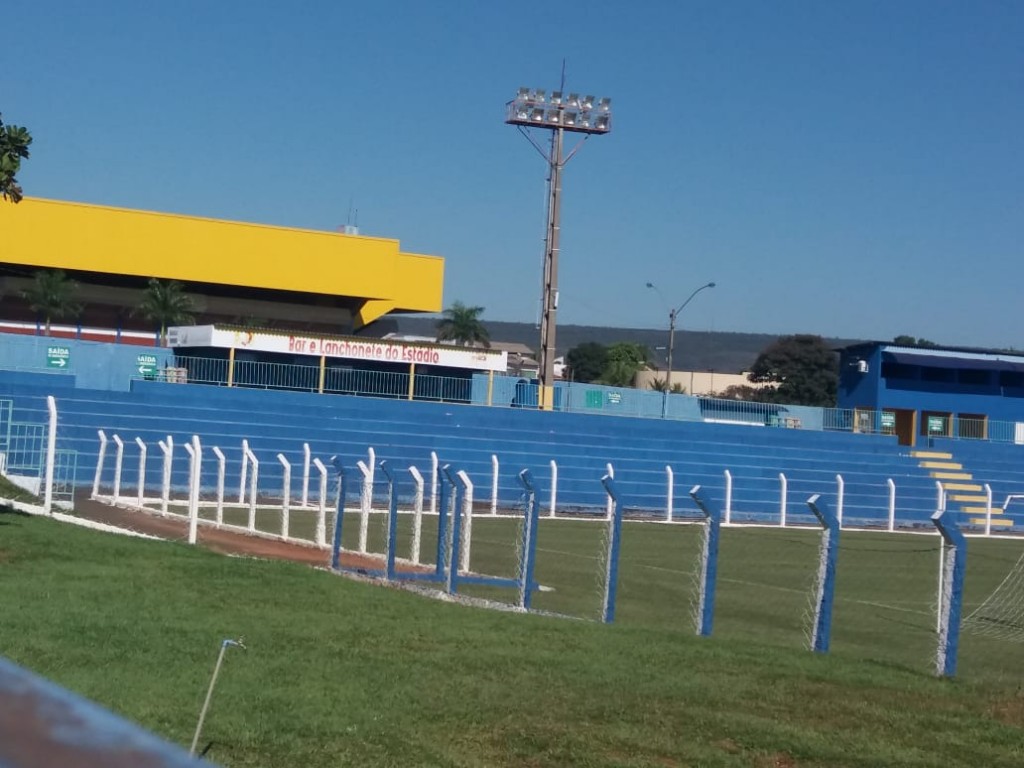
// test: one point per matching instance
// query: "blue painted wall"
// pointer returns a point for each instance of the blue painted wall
(94, 364)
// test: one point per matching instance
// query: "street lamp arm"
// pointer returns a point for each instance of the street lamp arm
(689, 299)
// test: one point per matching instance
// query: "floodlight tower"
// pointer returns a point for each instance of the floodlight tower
(558, 113)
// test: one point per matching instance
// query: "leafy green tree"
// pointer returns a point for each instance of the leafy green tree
(800, 369)
(14, 143)
(462, 324)
(625, 360)
(587, 361)
(52, 296)
(744, 392)
(166, 303)
(661, 385)
(909, 341)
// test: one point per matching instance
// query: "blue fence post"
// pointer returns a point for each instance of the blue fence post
(392, 520)
(828, 552)
(952, 593)
(708, 561)
(340, 514)
(527, 557)
(453, 563)
(611, 575)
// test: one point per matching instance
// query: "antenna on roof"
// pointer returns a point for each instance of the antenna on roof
(352, 222)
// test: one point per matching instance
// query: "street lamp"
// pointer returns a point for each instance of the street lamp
(672, 315)
(558, 112)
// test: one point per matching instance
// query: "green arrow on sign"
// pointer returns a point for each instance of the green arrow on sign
(58, 357)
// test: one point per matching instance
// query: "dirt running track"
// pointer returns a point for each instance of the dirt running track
(218, 540)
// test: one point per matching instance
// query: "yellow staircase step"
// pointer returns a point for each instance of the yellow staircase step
(941, 465)
(952, 475)
(972, 497)
(961, 486)
(996, 522)
(980, 511)
(931, 455)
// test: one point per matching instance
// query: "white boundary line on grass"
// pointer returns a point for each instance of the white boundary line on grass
(38, 511)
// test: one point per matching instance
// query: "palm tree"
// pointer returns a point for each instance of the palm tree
(462, 325)
(166, 303)
(52, 296)
(661, 385)
(14, 144)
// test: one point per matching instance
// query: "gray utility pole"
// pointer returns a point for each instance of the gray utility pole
(558, 114)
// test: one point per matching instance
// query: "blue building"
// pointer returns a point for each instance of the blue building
(923, 393)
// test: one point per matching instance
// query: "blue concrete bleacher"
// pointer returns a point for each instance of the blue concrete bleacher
(405, 433)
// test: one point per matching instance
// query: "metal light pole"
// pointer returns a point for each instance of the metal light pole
(560, 113)
(672, 315)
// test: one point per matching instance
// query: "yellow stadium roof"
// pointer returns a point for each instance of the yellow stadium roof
(372, 274)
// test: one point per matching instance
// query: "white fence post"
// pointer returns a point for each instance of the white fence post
(254, 475)
(221, 466)
(940, 506)
(51, 453)
(494, 484)
(840, 494)
(783, 498)
(197, 487)
(142, 471)
(670, 492)
(554, 489)
(191, 475)
(942, 584)
(118, 463)
(610, 504)
(988, 509)
(243, 471)
(99, 462)
(286, 492)
(433, 483)
(467, 519)
(728, 497)
(321, 514)
(305, 474)
(417, 506)
(193, 486)
(193, 520)
(364, 505)
(372, 466)
(892, 504)
(165, 478)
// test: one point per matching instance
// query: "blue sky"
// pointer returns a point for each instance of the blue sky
(849, 169)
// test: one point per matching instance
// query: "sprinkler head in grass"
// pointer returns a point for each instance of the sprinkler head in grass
(239, 643)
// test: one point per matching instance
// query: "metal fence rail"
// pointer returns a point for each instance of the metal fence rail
(500, 390)
(26, 452)
(329, 379)
(65, 466)
(6, 415)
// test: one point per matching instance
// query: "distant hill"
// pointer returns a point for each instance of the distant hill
(694, 350)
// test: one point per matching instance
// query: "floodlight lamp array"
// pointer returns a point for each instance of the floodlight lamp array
(570, 112)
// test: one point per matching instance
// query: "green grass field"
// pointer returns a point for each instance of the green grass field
(348, 673)
(9, 490)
